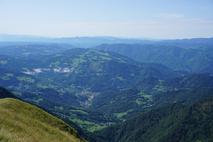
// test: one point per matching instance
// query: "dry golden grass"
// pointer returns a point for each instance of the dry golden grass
(22, 122)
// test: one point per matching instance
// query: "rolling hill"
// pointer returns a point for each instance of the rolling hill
(68, 83)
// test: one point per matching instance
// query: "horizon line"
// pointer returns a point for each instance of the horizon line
(99, 36)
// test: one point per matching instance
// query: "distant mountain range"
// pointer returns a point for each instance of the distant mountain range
(82, 42)
(88, 42)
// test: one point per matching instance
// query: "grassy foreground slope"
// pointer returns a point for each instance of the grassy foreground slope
(22, 122)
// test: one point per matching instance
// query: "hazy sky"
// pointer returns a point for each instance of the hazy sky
(125, 18)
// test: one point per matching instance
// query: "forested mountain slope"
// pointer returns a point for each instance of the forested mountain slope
(173, 123)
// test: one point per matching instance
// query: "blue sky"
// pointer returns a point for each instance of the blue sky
(120, 18)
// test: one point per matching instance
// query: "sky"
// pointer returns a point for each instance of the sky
(120, 18)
